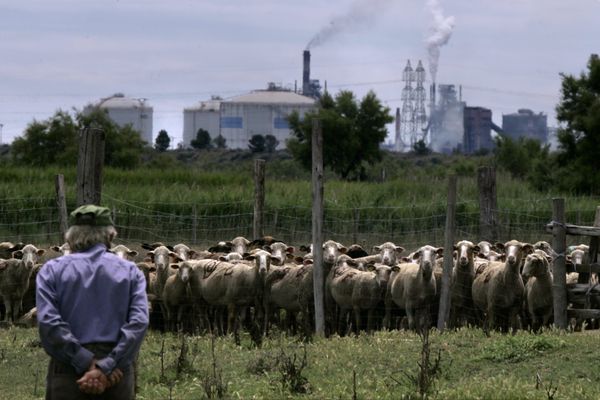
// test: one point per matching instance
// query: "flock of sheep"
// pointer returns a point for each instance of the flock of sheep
(241, 282)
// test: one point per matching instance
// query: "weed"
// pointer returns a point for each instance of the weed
(212, 382)
(549, 388)
(290, 368)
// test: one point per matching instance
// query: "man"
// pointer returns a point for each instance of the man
(92, 313)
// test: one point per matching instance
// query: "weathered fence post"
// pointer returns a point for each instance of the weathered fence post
(444, 310)
(488, 204)
(61, 203)
(259, 198)
(89, 166)
(559, 244)
(317, 225)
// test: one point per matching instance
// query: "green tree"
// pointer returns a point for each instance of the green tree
(220, 142)
(271, 143)
(521, 157)
(352, 133)
(420, 148)
(124, 145)
(53, 141)
(579, 136)
(163, 141)
(202, 140)
(256, 144)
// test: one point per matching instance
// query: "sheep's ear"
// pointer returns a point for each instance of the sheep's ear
(416, 255)
(371, 267)
(440, 251)
(222, 258)
(376, 249)
(40, 252)
(276, 258)
(405, 259)
(55, 248)
(499, 246)
(400, 249)
(249, 257)
(343, 249)
(476, 249)
(298, 260)
(152, 268)
(396, 268)
(481, 255)
(174, 266)
(308, 261)
(267, 247)
(290, 250)
(132, 253)
(17, 254)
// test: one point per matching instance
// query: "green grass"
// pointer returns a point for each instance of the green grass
(473, 366)
(206, 200)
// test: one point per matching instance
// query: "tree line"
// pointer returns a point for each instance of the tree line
(353, 131)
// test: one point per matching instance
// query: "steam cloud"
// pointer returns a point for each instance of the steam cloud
(362, 12)
(441, 30)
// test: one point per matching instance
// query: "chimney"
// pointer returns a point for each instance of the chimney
(398, 134)
(306, 74)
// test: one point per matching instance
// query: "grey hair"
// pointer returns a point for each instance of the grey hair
(82, 237)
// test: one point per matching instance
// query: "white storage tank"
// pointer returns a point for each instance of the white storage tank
(127, 110)
(205, 115)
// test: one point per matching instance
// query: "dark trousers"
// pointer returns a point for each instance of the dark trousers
(61, 380)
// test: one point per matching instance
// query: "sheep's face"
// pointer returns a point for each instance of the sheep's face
(240, 245)
(464, 253)
(29, 255)
(515, 250)
(161, 256)
(389, 252)
(577, 257)
(382, 272)
(425, 257)
(485, 247)
(535, 265)
(124, 252)
(280, 250)
(331, 251)
(184, 271)
(262, 259)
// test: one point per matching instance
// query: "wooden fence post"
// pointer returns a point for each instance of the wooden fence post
(61, 203)
(89, 166)
(488, 204)
(317, 225)
(559, 244)
(444, 309)
(259, 198)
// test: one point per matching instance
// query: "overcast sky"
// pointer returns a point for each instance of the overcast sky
(60, 54)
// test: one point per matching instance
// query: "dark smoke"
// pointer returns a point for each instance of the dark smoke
(362, 12)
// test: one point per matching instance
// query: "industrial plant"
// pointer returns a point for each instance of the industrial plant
(437, 117)
(127, 111)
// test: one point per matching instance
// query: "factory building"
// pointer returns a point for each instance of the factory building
(526, 123)
(447, 125)
(261, 112)
(478, 130)
(128, 111)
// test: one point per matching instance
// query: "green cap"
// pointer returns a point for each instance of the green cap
(90, 214)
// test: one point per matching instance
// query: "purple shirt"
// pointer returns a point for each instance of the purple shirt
(90, 297)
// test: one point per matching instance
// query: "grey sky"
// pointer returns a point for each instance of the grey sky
(507, 54)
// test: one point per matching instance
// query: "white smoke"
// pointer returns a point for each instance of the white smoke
(362, 12)
(441, 30)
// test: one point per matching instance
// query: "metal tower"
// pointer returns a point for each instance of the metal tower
(413, 117)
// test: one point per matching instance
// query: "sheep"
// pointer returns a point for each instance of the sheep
(359, 290)
(356, 251)
(463, 274)
(498, 291)
(176, 295)
(162, 257)
(413, 288)
(124, 252)
(389, 253)
(184, 252)
(15, 276)
(538, 291)
(63, 249)
(7, 249)
(235, 285)
(280, 250)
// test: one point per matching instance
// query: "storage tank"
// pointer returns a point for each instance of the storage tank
(205, 115)
(124, 110)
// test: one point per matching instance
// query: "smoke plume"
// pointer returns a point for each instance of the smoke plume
(441, 30)
(362, 12)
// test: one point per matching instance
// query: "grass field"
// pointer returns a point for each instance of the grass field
(552, 365)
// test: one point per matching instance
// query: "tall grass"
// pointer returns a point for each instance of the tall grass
(191, 205)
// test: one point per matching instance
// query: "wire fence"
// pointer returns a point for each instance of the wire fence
(36, 220)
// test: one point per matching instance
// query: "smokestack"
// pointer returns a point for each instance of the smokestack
(306, 74)
(398, 134)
